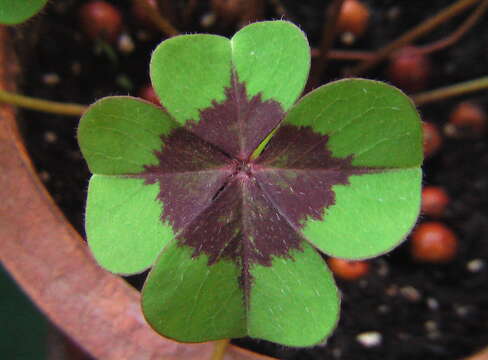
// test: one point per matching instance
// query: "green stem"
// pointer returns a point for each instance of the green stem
(450, 91)
(407, 38)
(219, 349)
(41, 105)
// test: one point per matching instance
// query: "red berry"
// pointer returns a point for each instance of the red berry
(409, 69)
(433, 242)
(431, 138)
(466, 119)
(99, 19)
(348, 270)
(148, 93)
(354, 18)
(229, 10)
(434, 201)
(140, 12)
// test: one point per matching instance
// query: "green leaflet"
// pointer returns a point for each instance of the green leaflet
(119, 134)
(293, 302)
(190, 72)
(16, 11)
(123, 223)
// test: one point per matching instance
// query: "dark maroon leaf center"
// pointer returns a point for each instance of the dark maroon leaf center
(226, 206)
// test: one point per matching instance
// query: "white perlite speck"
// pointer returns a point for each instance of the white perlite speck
(475, 265)
(369, 339)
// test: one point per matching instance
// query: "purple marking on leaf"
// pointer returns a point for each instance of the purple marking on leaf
(238, 125)
(189, 173)
(226, 206)
(297, 172)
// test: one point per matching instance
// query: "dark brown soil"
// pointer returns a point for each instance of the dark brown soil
(415, 311)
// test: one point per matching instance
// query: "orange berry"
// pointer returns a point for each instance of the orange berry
(99, 19)
(409, 69)
(466, 119)
(433, 242)
(147, 93)
(348, 270)
(434, 201)
(354, 18)
(432, 139)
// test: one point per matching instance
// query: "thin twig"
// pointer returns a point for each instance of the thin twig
(451, 39)
(350, 55)
(328, 36)
(450, 91)
(219, 349)
(419, 30)
(42, 105)
(458, 33)
(159, 20)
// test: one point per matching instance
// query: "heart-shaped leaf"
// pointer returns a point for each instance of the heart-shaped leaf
(235, 232)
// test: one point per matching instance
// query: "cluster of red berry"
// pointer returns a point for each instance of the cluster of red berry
(409, 68)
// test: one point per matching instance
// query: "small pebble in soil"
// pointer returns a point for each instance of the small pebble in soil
(370, 339)
(336, 353)
(353, 18)
(431, 325)
(207, 20)
(382, 268)
(101, 20)
(51, 79)
(50, 137)
(433, 242)
(432, 304)
(76, 68)
(126, 44)
(432, 139)
(44, 176)
(410, 293)
(434, 201)
(348, 270)
(475, 265)
(463, 310)
(466, 120)
(392, 290)
(409, 69)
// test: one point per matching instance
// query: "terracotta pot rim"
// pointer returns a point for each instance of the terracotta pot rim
(50, 260)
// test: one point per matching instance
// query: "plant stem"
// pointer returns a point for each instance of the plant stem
(329, 32)
(42, 105)
(450, 91)
(421, 29)
(344, 54)
(159, 20)
(328, 35)
(458, 33)
(219, 349)
(438, 45)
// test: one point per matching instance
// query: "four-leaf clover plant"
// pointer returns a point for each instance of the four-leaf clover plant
(231, 191)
